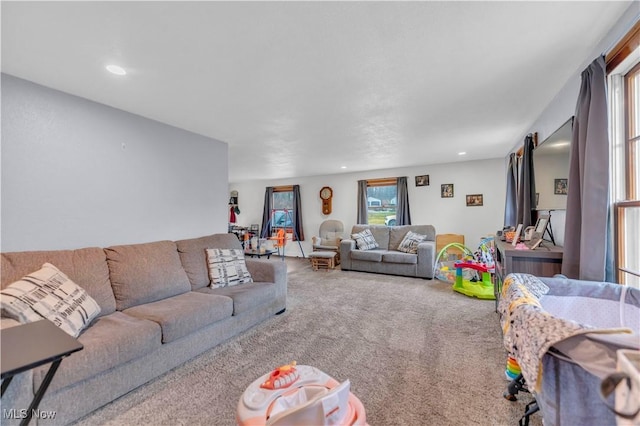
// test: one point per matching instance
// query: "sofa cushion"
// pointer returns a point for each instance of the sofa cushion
(227, 267)
(109, 341)
(48, 293)
(399, 257)
(143, 273)
(365, 240)
(370, 255)
(86, 267)
(194, 259)
(245, 296)
(397, 233)
(380, 233)
(183, 314)
(331, 239)
(410, 242)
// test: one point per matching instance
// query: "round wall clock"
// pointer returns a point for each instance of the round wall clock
(326, 193)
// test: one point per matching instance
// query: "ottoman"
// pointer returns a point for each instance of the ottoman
(322, 259)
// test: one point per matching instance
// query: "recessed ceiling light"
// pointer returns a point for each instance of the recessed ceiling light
(115, 69)
(343, 167)
(462, 153)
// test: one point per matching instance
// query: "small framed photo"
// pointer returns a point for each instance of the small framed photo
(475, 200)
(422, 180)
(516, 237)
(560, 186)
(446, 190)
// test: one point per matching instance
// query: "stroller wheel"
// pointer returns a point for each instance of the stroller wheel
(516, 385)
(509, 397)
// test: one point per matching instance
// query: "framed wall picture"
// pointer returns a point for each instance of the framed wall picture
(474, 200)
(422, 180)
(446, 190)
(560, 186)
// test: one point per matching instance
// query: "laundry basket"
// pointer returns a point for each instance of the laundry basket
(444, 267)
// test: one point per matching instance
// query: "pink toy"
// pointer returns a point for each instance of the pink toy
(310, 397)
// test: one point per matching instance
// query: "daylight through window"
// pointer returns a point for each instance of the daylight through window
(382, 196)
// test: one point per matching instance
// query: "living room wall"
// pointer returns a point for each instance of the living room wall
(563, 105)
(447, 215)
(76, 173)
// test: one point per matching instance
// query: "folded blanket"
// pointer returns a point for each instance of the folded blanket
(528, 330)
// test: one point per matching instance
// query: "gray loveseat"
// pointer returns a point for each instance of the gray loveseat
(157, 312)
(386, 259)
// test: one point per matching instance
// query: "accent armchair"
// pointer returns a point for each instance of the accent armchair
(330, 233)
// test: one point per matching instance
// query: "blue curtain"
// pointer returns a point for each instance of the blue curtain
(403, 216)
(586, 236)
(511, 203)
(363, 217)
(297, 217)
(266, 212)
(527, 190)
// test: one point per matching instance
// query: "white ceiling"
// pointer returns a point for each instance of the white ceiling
(303, 88)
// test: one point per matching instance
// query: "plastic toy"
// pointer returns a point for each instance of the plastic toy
(481, 289)
(282, 377)
(445, 261)
(312, 398)
(513, 369)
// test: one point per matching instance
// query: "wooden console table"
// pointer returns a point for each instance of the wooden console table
(545, 261)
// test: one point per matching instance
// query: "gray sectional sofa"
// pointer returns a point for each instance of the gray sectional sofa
(387, 259)
(157, 312)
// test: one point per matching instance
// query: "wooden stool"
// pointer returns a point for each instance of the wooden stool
(322, 259)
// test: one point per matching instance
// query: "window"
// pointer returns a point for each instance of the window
(382, 196)
(624, 84)
(282, 212)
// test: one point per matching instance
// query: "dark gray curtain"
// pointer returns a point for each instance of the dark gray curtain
(511, 203)
(585, 238)
(403, 216)
(527, 189)
(266, 212)
(363, 217)
(297, 218)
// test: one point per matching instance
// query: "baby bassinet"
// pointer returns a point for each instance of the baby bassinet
(564, 333)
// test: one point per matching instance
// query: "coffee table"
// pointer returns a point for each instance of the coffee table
(252, 253)
(29, 346)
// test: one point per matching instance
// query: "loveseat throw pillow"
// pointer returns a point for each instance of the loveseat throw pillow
(48, 293)
(227, 268)
(365, 240)
(409, 243)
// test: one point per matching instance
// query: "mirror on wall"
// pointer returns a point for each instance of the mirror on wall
(551, 168)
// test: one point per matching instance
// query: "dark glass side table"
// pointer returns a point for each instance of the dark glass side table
(31, 345)
(258, 253)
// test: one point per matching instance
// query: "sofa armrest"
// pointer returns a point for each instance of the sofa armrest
(426, 259)
(263, 270)
(346, 246)
(268, 271)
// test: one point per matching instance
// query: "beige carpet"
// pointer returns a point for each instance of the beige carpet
(416, 353)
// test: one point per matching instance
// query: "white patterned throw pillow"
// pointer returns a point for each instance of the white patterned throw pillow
(227, 267)
(49, 294)
(410, 242)
(365, 240)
